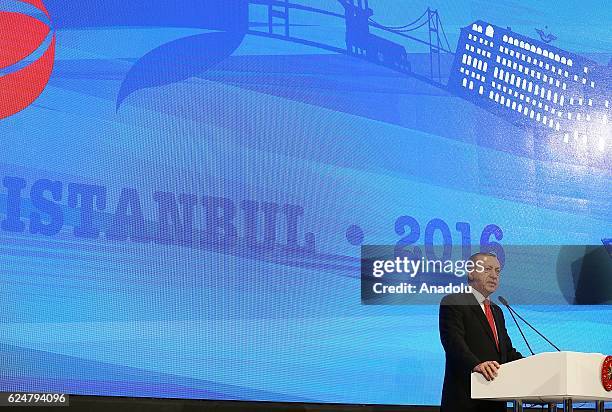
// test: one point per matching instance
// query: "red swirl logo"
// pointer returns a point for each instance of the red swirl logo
(606, 373)
(21, 37)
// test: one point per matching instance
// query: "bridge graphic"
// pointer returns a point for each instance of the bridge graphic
(361, 41)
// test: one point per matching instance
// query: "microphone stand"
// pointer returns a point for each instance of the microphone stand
(519, 327)
(534, 329)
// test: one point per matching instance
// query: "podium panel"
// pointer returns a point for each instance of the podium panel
(546, 377)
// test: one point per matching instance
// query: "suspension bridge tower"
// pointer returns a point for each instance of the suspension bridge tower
(357, 14)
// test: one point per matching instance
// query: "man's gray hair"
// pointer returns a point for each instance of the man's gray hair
(474, 259)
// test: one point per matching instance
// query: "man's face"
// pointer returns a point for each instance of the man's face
(487, 281)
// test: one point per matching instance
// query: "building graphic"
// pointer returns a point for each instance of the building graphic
(534, 84)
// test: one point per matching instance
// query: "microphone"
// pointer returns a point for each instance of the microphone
(505, 303)
(513, 312)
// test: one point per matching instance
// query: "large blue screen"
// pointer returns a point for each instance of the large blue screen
(186, 185)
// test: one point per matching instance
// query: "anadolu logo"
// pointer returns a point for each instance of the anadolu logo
(27, 51)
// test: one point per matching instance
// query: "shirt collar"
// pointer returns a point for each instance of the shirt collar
(479, 296)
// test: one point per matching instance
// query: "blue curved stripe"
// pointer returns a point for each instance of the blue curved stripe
(24, 8)
(31, 58)
(28, 10)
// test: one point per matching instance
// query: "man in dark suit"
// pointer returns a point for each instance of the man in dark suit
(473, 333)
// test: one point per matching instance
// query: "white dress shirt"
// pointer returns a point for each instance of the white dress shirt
(480, 298)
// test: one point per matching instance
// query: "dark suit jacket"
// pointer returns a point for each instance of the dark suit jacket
(468, 340)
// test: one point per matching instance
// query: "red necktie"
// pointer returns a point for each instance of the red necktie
(489, 314)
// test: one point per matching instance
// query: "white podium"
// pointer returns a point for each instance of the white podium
(554, 377)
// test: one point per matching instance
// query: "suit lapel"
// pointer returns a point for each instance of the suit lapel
(475, 306)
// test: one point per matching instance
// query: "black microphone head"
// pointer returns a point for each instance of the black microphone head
(503, 300)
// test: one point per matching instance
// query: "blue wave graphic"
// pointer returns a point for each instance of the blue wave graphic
(179, 60)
